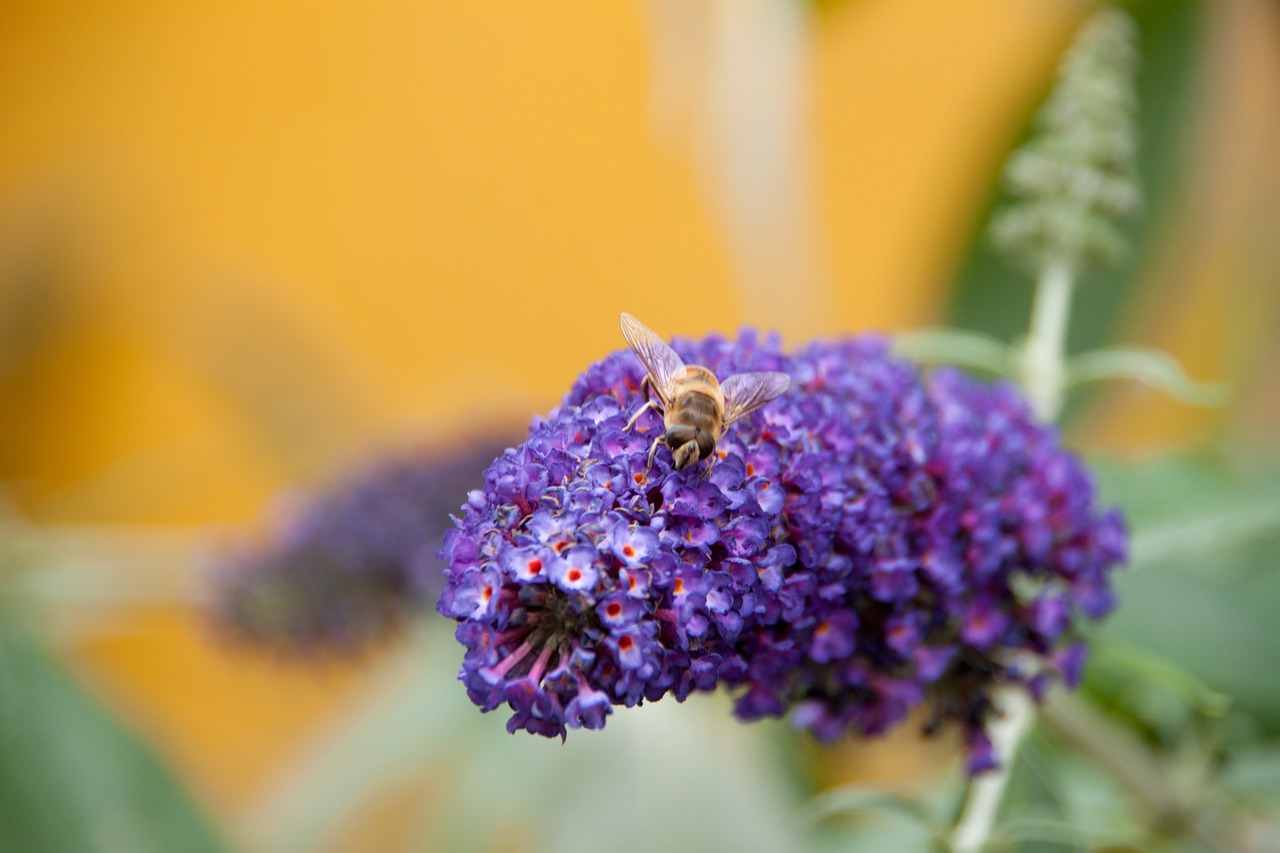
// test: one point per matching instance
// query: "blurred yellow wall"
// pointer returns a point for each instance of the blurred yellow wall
(260, 237)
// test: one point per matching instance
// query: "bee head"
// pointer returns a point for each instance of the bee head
(688, 444)
(706, 444)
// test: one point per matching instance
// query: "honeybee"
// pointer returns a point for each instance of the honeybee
(696, 407)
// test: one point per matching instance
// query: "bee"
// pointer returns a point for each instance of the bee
(696, 407)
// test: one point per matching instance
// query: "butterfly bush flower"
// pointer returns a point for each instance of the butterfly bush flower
(870, 542)
(343, 569)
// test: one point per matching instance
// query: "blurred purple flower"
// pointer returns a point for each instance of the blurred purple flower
(869, 542)
(344, 569)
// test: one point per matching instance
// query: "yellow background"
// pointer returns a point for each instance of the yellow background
(243, 246)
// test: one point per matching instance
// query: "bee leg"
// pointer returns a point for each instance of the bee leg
(652, 451)
(711, 463)
(636, 416)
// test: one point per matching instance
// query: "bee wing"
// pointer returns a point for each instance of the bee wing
(660, 361)
(746, 392)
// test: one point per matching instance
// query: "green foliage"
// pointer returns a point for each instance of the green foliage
(865, 800)
(971, 350)
(1204, 588)
(71, 777)
(1152, 367)
(984, 354)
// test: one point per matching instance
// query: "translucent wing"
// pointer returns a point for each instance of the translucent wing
(660, 361)
(746, 392)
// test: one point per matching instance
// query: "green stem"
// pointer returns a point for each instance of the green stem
(987, 790)
(1043, 362)
(1042, 374)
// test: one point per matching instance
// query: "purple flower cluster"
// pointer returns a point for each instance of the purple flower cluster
(868, 542)
(344, 569)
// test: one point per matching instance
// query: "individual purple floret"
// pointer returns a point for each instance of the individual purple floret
(868, 542)
(345, 568)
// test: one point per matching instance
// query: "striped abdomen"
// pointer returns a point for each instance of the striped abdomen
(695, 413)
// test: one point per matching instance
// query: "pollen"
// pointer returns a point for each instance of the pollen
(628, 551)
(535, 566)
(613, 610)
(751, 470)
(678, 587)
(574, 575)
(625, 644)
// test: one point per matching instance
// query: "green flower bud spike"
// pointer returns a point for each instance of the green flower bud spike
(1075, 178)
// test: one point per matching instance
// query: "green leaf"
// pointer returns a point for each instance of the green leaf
(1148, 365)
(955, 346)
(1211, 530)
(1253, 775)
(1022, 830)
(1131, 661)
(861, 799)
(1188, 508)
(1205, 589)
(72, 778)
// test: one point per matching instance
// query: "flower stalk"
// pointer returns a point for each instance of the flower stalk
(1043, 363)
(1072, 181)
(986, 792)
(1042, 375)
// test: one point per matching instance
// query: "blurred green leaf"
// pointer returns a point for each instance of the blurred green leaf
(1148, 365)
(955, 346)
(71, 777)
(1215, 529)
(1253, 775)
(1183, 507)
(1057, 832)
(1054, 786)
(1131, 662)
(1206, 536)
(862, 799)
